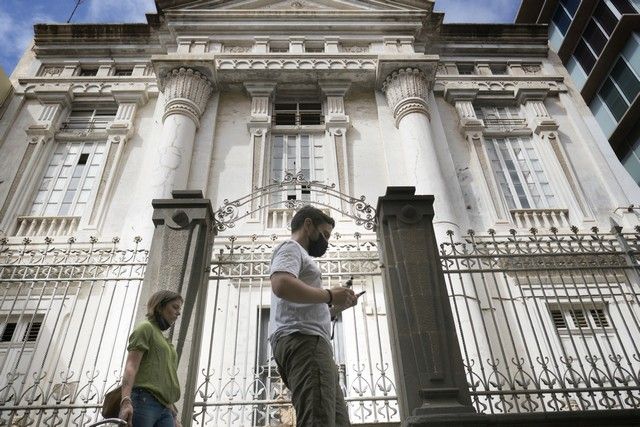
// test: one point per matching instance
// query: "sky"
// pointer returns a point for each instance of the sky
(18, 16)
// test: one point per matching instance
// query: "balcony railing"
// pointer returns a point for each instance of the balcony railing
(47, 226)
(85, 124)
(504, 124)
(540, 218)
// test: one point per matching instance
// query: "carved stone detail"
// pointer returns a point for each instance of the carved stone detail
(467, 115)
(295, 64)
(186, 92)
(531, 69)
(514, 89)
(237, 49)
(407, 91)
(51, 71)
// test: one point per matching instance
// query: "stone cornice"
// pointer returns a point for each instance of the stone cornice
(299, 62)
(520, 90)
(34, 88)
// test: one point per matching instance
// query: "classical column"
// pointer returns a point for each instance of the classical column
(186, 93)
(431, 385)
(407, 92)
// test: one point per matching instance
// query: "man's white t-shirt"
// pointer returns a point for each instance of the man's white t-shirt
(288, 317)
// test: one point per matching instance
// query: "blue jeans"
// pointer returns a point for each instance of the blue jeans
(148, 412)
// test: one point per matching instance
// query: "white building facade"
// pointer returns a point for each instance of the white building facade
(266, 106)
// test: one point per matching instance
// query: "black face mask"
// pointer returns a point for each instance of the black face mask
(161, 322)
(318, 247)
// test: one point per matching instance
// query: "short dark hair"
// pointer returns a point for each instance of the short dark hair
(314, 214)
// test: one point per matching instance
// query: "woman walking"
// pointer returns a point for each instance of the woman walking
(150, 384)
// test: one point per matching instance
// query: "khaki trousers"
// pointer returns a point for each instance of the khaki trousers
(306, 365)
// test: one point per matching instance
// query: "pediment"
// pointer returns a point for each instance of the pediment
(294, 5)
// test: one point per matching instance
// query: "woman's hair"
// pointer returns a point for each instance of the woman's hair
(159, 300)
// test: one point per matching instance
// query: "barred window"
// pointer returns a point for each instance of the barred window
(579, 317)
(297, 113)
(69, 179)
(90, 117)
(519, 173)
(21, 331)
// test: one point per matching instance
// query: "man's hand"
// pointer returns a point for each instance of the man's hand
(343, 297)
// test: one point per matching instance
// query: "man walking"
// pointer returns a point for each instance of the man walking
(300, 321)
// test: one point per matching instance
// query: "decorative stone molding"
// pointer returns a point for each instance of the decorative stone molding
(335, 90)
(34, 87)
(51, 71)
(260, 93)
(186, 92)
(407, 90)
(54, 99)
(542, 121)
(259, 126)
(467, 114)
(237, 49)
(489, 88)
(531, 68)
(128, 103)
(276, 63)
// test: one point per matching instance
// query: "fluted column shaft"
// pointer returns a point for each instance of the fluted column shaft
(407, 94)
(186, 93)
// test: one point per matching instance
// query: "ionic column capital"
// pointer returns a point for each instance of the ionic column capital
(407, 92)
(186, 92)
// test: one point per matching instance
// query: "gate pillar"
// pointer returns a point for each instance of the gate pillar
(179, 260)
(431, 384)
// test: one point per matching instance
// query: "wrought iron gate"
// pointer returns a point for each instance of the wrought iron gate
(65, 314)
(547, 322)
(239, 384)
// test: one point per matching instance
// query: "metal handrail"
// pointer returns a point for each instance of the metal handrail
(116, 421)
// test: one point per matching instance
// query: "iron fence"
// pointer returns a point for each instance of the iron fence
(547, 322)
(65, 315)
(239, 384)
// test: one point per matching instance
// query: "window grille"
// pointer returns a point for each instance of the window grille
(298, 113)
(519, 173)
(128, 71)
(279, 48)
(314, 49)
(90, 117)
(69, 179)
(88, 72)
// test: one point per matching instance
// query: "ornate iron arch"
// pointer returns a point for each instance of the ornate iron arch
(232, 211)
